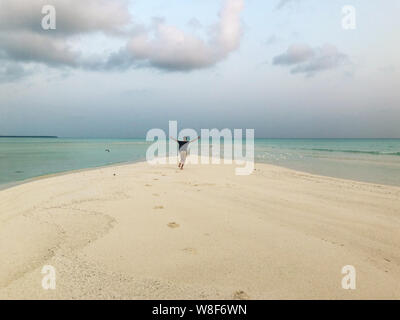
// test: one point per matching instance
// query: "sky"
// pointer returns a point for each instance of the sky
(118, 68)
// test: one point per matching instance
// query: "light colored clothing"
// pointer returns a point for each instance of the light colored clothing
(183, 156)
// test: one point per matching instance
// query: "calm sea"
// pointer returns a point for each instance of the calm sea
(370, 160)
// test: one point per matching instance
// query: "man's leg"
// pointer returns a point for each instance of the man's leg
(183, 158)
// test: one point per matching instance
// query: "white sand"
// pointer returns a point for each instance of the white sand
(157, 232)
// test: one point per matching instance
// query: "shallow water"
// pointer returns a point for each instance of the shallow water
(370, 160)
(24, 158)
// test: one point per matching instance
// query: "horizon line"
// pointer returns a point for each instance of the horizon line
(272, 138)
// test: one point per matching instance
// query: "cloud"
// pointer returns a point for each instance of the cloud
(23, 41)
(34, 47)
(167, 47)
(73, 17)
(304, 59)
(296, 53)
(10, 72)
(283, 3)
(273, 39)
(159, 45)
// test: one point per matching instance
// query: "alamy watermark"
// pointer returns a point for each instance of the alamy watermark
(349, 18)
(49, 279)
(349, 280)
(235, 147)
(49, 21)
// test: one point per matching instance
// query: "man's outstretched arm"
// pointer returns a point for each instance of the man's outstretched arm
(195, 139)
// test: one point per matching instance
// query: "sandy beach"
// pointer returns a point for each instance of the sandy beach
(137, 231)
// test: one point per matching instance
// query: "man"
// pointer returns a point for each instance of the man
(183, 149)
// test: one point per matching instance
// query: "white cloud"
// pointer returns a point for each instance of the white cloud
(23, 41)
(167, 47)
(296, 53)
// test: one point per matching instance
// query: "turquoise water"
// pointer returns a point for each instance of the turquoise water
(24, 158)
(370, 160)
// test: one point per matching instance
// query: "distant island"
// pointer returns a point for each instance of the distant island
(47, 137)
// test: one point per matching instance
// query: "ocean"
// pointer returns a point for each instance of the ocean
(369, 160)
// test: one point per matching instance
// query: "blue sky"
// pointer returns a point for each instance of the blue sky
(287, 72)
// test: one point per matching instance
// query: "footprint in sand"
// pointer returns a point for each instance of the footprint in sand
(240, 295)
(155, 179)
(173, 225)
(156, 194)
(158, 207)
(147, 185)
(190, 250)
